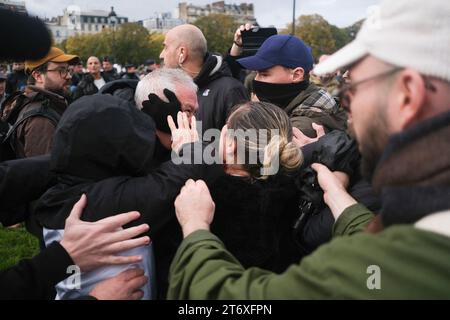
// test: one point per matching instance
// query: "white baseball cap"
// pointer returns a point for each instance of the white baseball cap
(405, 33)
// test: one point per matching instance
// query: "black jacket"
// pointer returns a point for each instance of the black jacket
(130, 76)
(35, 279)
(218, 92)
(104, 147)
(338, 152)
(22, 181)
(254, 220)
(111, 75)
(122, 88)
(87, 87)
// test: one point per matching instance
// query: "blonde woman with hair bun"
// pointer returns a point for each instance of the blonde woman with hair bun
(256, 199)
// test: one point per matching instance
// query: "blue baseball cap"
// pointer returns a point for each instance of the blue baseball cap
(284, 50)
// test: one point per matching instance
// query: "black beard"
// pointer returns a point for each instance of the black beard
(372, 150)
(368, 165)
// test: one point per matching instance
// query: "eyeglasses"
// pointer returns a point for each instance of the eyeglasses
(63, 72)
(346, 92)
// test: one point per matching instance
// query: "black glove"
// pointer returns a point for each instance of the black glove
(159, 109)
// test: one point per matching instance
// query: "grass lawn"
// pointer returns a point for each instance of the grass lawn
(15, 245)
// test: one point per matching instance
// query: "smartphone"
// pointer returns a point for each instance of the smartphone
(253, 39)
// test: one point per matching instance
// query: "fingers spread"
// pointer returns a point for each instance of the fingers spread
(128, 244)
(119, 260)
(78, 208)
(128, 233)
(172, 124)
(117, 221)
(180, 120)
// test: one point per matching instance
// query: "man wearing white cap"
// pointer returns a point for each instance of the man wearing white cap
(399, 107)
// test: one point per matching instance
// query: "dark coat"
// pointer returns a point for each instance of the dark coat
(338, 152)
(87, 87)
(254, 220)
(104, 147)
(22, 181)
(122, 88)
(218, 92)
(35, 279)
(111, 75)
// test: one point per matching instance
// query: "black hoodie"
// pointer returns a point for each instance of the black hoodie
(104, 147)
(218, 92)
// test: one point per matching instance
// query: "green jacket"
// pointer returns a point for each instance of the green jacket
(413, 264)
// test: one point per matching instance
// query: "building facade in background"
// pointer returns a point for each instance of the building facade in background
(16, 6)
(243, 12)
(161, 22)
(75, 21)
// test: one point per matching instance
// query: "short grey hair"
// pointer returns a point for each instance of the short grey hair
(160, 79)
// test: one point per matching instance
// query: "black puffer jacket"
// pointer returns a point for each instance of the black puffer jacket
(218, 92)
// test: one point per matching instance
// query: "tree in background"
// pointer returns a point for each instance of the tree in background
(130, 43)
(156, 45)
(321, 36)
(219, 31)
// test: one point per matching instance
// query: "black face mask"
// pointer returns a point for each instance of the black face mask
(278, 94)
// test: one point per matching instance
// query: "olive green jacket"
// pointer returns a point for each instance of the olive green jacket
(402, 262)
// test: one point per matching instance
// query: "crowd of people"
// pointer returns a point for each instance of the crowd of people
(301, 181)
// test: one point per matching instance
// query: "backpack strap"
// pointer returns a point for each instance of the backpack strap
(41, 111)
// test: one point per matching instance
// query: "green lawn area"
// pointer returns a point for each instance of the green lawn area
(15, 245)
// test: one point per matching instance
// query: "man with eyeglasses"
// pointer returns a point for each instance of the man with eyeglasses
(399, 103)
(34, 116)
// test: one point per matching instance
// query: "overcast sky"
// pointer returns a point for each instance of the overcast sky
(339, 12)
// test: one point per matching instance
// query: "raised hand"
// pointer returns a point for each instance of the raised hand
(95, 244)
(185, 133)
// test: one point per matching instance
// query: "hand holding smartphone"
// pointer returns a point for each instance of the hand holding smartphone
(253, 39)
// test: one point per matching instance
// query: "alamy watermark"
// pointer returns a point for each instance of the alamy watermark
(374, 280)
(74, 280)
(253, 147)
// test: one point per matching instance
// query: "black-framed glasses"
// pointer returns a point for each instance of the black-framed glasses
(63, 71)
(346, 92)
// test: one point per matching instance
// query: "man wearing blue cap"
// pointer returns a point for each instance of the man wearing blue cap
(283, 64)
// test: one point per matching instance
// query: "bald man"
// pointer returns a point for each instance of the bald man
(92, 81)
(185, 47)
